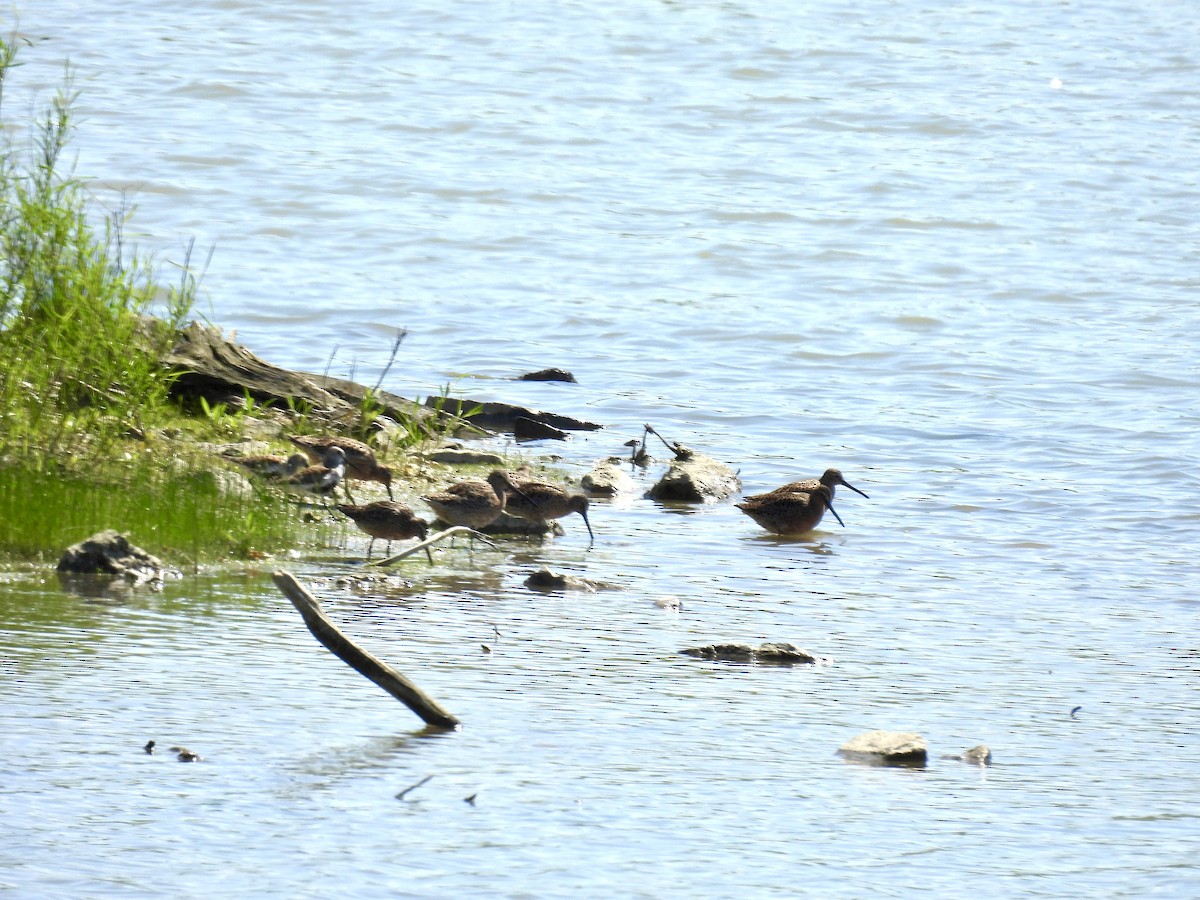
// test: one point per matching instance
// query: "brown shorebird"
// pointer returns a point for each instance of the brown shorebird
(831, 479)
(388, 520)
(321, 480)
(271, 467)
(540, 501)
(790, 513)
(361, 464)
(475, 504)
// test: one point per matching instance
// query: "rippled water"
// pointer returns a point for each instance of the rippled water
(951, 250)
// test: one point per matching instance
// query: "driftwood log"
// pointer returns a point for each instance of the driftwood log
(358, 659)
(207, 364)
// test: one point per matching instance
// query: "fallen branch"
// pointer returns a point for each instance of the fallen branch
(358, 659)
(424, 545)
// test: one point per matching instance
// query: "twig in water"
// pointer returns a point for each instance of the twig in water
(401, 334)
(400, 796)
(681, 452)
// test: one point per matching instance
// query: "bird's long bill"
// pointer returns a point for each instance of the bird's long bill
(829, 506)
(583, 514)
(856, 490)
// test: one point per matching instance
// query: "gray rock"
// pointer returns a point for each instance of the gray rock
(780, 654)
(608, 477)
(886, 748)
(110, 553)
(697, 479)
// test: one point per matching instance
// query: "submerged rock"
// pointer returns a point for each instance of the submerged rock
(110, 553)
(980, 755)
(780, 654)
(886, 748)
(545, 579)
(552, 374)
(697, 479)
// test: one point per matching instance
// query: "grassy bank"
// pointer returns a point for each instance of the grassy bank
(83, 394)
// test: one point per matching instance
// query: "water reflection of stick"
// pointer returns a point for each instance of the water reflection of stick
(400, 796)
(358, 659)
(424, 545)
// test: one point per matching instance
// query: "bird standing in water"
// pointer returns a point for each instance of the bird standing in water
(831, 479)
(474, 504)
(387, 520)
(795, 512)
(540, 501)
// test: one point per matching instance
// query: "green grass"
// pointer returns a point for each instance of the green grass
(82, 387)
(182, 517)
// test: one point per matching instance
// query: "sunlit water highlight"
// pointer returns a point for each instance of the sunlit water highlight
(951, 251)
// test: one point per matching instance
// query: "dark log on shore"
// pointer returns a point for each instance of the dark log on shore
(209, 365)
(358, 659)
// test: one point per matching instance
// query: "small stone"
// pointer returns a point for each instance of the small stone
(608, 478)
(886, 748)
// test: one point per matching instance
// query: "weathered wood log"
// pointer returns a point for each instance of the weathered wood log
(207, 364)
(355, 657)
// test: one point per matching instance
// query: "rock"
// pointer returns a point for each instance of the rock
(526, 429)
(779, 654)
(503, 416)
(608, 477)
(980, 755)
(549, 375)
(886, 748)
(548, 580)
(455, 456)
(110, 553)
(697, 479)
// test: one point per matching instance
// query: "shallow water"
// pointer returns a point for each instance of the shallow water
(950, 251)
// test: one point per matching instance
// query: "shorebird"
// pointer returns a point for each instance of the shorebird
(790, 513)
(475, 504)
(271, 467)
(321, 480)
(831, 479)
(540, 501)
(388, 520)
(361, 464)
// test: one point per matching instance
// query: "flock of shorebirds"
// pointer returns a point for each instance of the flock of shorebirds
(326, 463)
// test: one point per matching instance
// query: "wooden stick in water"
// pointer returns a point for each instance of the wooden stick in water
(358, 659)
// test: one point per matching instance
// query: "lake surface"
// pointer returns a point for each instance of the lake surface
(951, 250)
